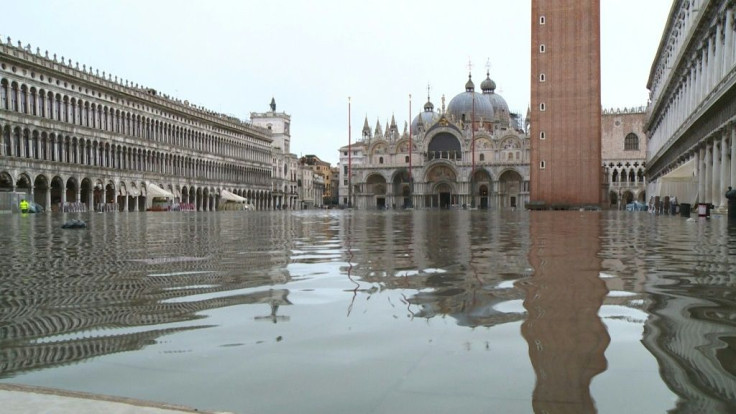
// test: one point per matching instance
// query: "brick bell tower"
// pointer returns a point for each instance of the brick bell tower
(565, 125)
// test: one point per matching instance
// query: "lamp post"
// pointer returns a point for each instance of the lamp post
(350, 160)
(411, 147)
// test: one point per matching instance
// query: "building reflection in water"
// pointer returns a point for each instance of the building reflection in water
(692, 327)
(134, 276)
(566, 337)
(449, 263)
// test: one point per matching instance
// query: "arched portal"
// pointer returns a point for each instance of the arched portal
(441, 180)
(6, 181)
(110, 197)
(376, 188)
(24, 184)
(510, 185)
(57, 188)
(72, 192)
(613, 196)
(402, 188)
(482, 185)
(41, 191)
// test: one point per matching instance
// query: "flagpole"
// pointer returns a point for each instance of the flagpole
(350, 159)
(472, 146)
(411, 182)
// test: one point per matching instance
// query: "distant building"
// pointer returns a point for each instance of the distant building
(623, 152)
(76, 139)
(323, 169)
(285, 165)
(692, 117)
(565, 111)
(474, 153)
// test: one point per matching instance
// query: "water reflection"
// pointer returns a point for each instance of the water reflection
(566, 337)
(692, 327)
(402, 299)
(452, 264)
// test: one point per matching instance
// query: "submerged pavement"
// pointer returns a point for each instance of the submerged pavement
(28, 399)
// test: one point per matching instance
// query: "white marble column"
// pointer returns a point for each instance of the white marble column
(724, 179)
(728, 46)
(708, 174)
(716, 177)
(700, 173)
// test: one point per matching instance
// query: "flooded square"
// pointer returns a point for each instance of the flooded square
(375, 311)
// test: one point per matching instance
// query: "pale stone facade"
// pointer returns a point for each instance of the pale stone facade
(623, 151)
(471, 154)
(72, 138)
(692, 119)
(285, 165)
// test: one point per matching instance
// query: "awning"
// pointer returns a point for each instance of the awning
(681, 182)
(228, 196)
(155, 191)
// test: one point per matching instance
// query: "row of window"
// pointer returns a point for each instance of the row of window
(71, 150)
(631, 141)
(47, 104)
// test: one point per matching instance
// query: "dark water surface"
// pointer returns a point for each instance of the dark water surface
(375, 312)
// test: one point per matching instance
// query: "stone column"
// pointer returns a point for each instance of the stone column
(732, 127)
(708, 174)
(716, 177)
(728, 46)
(135, 203)
(125, 203)
(48, 199)
(63, 196)
(700, 172)
(724, 178)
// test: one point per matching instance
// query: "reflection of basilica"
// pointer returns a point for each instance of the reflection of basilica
(473, 153)
(444, 260)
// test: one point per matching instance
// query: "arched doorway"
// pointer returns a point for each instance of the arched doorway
(376, 188)
(110, 197)
(72, 190)
(510, 185)
(41, 191)
(402, 188)
(628, 198)
(24, 184)
(614, 198)
(481, 189)
(441, 180)
(57, 187)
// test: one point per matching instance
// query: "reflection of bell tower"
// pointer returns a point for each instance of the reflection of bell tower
(566, 337)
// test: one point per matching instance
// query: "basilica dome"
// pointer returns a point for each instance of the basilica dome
(500, 107)
(426, 118)
(470, 103)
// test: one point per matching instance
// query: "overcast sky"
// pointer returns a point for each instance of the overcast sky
(233, 56)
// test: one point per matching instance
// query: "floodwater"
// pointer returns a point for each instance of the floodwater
(375, 312)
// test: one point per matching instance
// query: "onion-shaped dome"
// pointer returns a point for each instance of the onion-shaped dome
(426, 119)
(469, 104)
(488, 85)
(500, 107)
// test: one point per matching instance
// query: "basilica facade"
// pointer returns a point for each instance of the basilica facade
(474, 153)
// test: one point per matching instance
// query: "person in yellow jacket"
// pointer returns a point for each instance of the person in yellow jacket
(23, 206)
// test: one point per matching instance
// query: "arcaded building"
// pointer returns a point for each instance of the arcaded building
(692, 117)
(565, 110)
(473, 153)
(75, 138)
(624, 152)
